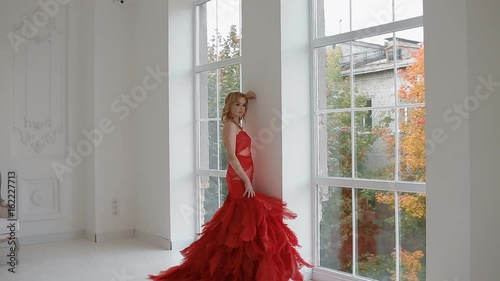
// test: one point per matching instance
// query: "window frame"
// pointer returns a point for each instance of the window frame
(395, 185)
(197, 70)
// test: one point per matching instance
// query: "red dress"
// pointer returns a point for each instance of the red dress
(246, 240)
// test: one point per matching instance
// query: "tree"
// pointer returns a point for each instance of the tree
(336, 225)
(412, 167)
(375, 210)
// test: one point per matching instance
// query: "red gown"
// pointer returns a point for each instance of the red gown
(246, 240)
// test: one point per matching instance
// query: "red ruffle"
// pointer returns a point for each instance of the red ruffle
(246, 240)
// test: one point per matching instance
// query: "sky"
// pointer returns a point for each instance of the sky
(365, 13)
(368, 13)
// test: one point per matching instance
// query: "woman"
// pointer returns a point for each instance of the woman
(246, 240)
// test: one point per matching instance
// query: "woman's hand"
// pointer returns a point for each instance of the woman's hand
(251, 95)
(249, 190)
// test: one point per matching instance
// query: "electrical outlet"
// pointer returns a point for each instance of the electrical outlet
(114, 207)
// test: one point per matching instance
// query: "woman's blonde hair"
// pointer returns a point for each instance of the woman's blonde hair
(231, 99)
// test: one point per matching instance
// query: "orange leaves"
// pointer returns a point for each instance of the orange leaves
(412, 204)
(413, 91)
(412, 124)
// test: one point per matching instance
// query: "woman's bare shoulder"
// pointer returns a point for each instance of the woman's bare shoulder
(229, 125)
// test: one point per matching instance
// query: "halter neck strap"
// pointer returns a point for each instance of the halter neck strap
(239, 126)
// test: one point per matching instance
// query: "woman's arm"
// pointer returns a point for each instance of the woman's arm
(229, 131)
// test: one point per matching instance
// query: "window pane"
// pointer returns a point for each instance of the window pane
(209, 145)
(375, 234)
(412, 212)
(373, 72)
(207, 29)
(375, 144)
(210, 196)
(412, 144)
(228, 28)
(408, 9)
(335, 228)
(369, 13)
(218, 30)
(229, 81)
(222, 151)
(410, 62)
(333, 17)
(335, 149)
(213, 193)
(334, 83)
(208, 94)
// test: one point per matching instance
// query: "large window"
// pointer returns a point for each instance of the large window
(369, 148)
(218, 61)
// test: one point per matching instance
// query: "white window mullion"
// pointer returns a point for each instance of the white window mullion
(412, 187)
(218, 64)
(368, 32)
(211, 173)
(396, 110)
(398, 242)
(354, 216)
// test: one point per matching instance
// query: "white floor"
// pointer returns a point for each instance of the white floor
(82, 260)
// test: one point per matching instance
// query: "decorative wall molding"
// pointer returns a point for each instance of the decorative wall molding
(41, 200)
(39, 88)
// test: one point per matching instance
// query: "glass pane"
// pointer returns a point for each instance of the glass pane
(223, 190)
(412, 212)
(373, 72)
(222, 151)
(375, 144)
(410, 62)
(334, 82)
(412, 144)
(209, 196)
(405, 9)
(204, 146)
(335, 226)
(208, 145)
(207, 30)
(228, 28)
(335, 157)
(229, 81)
(369, 13)
(208, 94)
(333, 17)
(376, 234)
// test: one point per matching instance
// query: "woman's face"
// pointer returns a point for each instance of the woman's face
(239, 108)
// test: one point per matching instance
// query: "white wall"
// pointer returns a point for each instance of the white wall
(149, 134)
(181, 123)
(462, 185)
(276, 66)
(111, 79)
(483, 41)
(296, 120)
(261, 73)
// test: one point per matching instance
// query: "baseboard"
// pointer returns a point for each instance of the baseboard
(154, 239)
(122, 234)
(178, 245)
(53, 237)
(89, 235)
